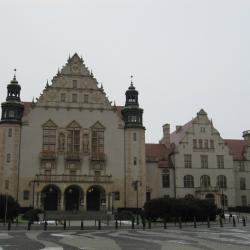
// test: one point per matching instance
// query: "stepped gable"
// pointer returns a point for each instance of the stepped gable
(237, 148)
(158, 153)
(62, 82)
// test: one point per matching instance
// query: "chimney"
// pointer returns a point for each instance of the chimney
(246, 135)
(166, 134)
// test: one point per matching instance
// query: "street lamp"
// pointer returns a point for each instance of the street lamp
(135, 184)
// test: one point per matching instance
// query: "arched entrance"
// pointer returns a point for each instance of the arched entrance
(210, 197)
(50, 197)
(72, 197)
(95, 198)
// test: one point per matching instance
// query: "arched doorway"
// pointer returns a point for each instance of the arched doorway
(95, 198)
(72, 198)
(210, 197)
(50, 197)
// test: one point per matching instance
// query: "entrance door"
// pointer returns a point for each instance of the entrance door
(72, 199)
(93, 199)
(50, 195)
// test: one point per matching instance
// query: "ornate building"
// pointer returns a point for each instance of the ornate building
(71, 149)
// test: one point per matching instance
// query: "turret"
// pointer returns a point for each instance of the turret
(12, 108)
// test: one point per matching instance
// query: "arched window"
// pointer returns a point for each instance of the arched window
(222, 181)
(188, 181)
(224, 201)
(205, 181)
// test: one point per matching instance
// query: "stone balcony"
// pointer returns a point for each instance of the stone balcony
(73, 178)
(48, 155)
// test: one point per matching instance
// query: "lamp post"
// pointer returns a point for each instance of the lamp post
(6, 208)
(135, 184)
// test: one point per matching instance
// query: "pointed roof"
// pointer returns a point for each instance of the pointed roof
(202, 112)
(179, 134)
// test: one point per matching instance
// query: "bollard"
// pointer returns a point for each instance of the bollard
(45, 225)
(208, 222)
(64, 225)
(143, 224)
(116, 224)
(243, 221)
(195, 222)
(221, 222)
(9, 225)
(180, 225)
(149, 223)
(29, 225)
(99, 225)
(82, 227)
(133, 223)
(165, 224)
(234, 223)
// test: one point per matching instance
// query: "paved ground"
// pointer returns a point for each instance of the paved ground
(187, 238)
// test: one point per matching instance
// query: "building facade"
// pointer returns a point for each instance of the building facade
(71, 149)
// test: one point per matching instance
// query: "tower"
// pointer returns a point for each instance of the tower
(10, 137)
(134, 136)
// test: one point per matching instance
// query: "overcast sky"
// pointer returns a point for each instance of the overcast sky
(184, 54)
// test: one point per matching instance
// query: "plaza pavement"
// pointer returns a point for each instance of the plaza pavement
(125, 238)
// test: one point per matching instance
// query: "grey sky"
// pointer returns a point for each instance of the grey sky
(184, 54)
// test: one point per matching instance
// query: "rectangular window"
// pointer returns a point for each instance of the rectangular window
(116, 196)
(97, 142)
(203, 130)
(8, 158)
(26, 195)
(74, 84)
(200, 143)
(194, 143)
(204, 161)
(188, 161)
(165, 181)
(63, 97)
(211, 143)
(135, 161)
(242, 183)
(10, 132)
(241, 166)
(243, 200)
(47, 172)
(73, 140)
(74, 97)
(6, 184)
(49, 139)
(134, 136)
(86, 98)
(220, 161)
(97, 173)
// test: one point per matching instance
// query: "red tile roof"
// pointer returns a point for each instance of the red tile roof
(237, 148)
(159, 153)
(179, 134)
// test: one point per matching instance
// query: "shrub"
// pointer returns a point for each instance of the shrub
(170, 208)
(32, 215)
(9, 207)
(124, 215)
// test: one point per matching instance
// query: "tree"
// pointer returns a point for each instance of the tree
(9, 208)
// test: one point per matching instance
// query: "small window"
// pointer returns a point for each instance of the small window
(220, 161)
(74, 97)
(200, 143)
(194, 143)
(8, 158)
(97, 173)
(11, 114)
(6, 184)
(26, 195)
(241, 166)
(134, 136)
(63, 97)
(10, 132)
(72, 172)
(211, 144)
(243, 200)
(135, 161)
(116, 196)
(86, 98)
(203, 130)
(204, 161)
(188, 161)
(165, 180)
(242, 183)
(74, 84)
